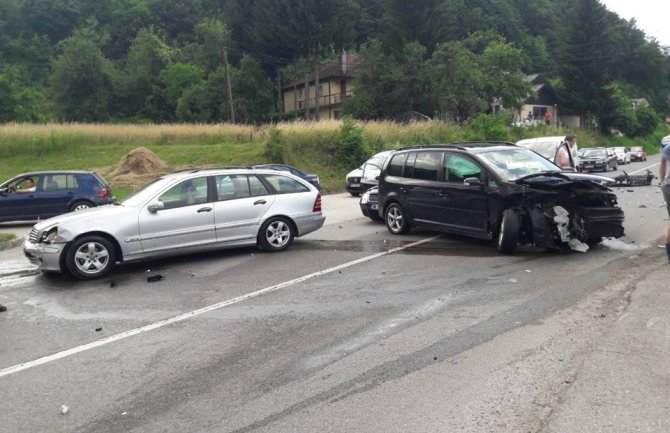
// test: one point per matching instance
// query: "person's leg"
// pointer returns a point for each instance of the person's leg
(665, 189)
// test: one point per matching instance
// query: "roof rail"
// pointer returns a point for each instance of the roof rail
(461, 145)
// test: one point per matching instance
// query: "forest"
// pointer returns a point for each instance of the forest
(155, 61)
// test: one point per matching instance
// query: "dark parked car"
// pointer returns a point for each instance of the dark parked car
(311, 178)
(55, 192)
(597, 158)
(369, 204)
(637, 153)
(496, 191)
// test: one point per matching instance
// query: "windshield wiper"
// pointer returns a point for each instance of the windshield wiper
(543, 173)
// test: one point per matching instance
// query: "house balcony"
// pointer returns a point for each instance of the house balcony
(326, 100)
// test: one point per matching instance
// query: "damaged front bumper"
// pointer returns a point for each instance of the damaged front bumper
(45, 256)
(556, 227)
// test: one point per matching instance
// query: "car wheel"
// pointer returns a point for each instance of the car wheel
(81, 204)
(508, 235)
(90, 257)
(616, 167)
(354, 194)
(396, 219)
(276, 234)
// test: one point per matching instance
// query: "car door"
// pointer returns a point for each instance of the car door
(241, 202)
(22, 205)
(186, 219)
(57, 192)
(421, 190)
(463, 206)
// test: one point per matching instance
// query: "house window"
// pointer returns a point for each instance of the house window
(538, 112)
(337, 114)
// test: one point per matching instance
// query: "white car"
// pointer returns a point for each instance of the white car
(364, 177)
(549, 147)
(622, 155)
(180, 213)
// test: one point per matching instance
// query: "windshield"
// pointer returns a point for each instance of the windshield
(149, 190)
(620, 150)
(514, 163)
(544, 148)
(595, 153)
(371, 170)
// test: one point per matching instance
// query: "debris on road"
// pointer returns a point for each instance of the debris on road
(64, 409)
(2, 308)
(154, 278)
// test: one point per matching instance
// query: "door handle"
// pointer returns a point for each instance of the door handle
(204, 209)
(261, 201)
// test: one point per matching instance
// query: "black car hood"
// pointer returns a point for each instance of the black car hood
(554, 180)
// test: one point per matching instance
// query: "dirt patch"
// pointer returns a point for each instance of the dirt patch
(137, 167)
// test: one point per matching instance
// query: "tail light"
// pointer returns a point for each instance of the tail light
(317, 204)
(103, 192)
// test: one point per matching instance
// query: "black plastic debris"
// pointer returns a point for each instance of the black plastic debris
(2, 308)
(642, 206)
(112, 284)
(98, 329)
(154, 278)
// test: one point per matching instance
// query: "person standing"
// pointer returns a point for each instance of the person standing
(547, 118)
(665, 189)
(574, 151)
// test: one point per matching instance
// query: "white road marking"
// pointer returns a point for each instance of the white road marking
(643, 169)
(104, 341)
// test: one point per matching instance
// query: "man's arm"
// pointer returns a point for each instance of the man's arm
(661, 170)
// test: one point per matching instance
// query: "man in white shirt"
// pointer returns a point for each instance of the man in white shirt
(30, 186)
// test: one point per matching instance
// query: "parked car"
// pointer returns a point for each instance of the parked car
(55, 192)
(637, 153)
(180, 213)
(369, 204)
(598, 158)
(360, 179)
(622, 155)
(311, 178)
(549, 147)
(496, 191)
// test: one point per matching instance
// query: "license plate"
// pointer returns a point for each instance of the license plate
(355, 185)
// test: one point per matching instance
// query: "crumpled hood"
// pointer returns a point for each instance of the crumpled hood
(565, 179)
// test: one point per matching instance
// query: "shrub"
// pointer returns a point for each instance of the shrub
(275, 146)
(488, 127)
(351, 149)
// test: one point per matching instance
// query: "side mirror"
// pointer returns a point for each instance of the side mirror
(156, 206)
(472, 181)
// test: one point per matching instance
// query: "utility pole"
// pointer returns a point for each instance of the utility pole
(229, 90)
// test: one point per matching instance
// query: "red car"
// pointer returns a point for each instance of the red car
(637, 153)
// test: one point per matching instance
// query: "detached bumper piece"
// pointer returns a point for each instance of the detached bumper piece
(626, 179)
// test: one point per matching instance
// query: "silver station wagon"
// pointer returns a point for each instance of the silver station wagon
(180, 213)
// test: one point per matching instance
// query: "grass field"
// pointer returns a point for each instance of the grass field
(307, 145)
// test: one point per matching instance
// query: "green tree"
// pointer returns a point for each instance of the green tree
(253, 92)
(617, 111)
(148, 55)
(176, 81)
(82, 79)
(427, 22)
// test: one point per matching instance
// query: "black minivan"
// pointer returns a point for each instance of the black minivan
(496, 191)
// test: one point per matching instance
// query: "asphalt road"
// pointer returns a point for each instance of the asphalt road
(350, 330)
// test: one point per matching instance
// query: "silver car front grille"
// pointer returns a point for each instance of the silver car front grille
(33, 236)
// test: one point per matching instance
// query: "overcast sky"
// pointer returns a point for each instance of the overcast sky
(652, 16)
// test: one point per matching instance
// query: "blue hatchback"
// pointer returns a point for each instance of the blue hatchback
(44, 194)
(311, 178)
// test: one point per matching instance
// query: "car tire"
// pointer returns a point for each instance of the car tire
(276, 234)
(396, 219)
(90, 257)
(79, 205)
(508, 234)
(354, 194)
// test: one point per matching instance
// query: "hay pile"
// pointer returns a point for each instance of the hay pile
(137, 167)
